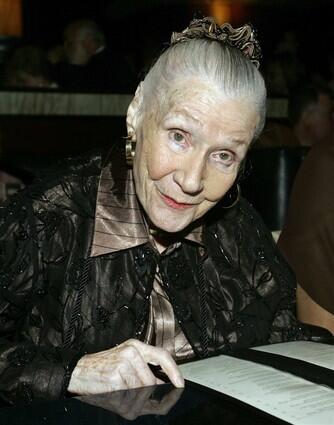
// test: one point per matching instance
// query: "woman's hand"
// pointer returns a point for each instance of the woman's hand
(121, 368)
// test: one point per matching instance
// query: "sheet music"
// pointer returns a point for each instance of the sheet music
(319, 354)
(280, 394)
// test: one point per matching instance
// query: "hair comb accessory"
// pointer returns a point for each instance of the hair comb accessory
(243, 38)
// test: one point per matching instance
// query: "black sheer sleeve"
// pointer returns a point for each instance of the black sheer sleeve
(276, 285)
(28, 370)
(266, 283)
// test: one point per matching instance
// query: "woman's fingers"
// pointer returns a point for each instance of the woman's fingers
(140, 367)
(129, 376)
(162, 357)
(123, 367)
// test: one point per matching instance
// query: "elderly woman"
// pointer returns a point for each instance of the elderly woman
(106, 270)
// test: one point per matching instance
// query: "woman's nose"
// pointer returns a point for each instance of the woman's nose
(189, 176)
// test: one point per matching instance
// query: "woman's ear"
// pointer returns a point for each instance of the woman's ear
(134, 111)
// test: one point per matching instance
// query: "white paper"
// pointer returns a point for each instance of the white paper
(280, 394)
(319, 354)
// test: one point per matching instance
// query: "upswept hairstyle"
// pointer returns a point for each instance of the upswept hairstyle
(224, 66)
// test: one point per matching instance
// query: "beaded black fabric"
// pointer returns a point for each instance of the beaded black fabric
(57, 303)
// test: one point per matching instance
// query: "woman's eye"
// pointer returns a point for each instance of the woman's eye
(177, 137)
(225, 158)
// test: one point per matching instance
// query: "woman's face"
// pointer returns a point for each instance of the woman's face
(188, 156)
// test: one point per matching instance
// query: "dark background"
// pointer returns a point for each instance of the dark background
(139, 28)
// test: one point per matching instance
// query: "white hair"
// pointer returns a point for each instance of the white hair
(234, 75)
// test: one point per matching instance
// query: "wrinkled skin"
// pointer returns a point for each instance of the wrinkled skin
(122, 367)
(188, 154)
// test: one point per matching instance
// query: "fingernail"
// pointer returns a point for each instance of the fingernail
(180, 382)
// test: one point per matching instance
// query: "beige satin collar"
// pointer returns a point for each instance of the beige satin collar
(119, 219)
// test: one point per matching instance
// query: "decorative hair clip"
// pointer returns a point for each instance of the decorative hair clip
(243, 38)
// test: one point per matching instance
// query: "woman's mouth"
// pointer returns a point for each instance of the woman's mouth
(173, 203)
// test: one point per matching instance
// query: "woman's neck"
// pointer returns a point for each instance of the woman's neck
(163, 240)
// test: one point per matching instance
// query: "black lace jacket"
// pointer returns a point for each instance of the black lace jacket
(58, 303)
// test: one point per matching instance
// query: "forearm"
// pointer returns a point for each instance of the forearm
(28, 372)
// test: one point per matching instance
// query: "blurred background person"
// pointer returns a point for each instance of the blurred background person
(284, 67)
(276, 81)
(27, 66)
(307, 239)
(310, 118)
(311, 113)
(88, 63)
(56, 55)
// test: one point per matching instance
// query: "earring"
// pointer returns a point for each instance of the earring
(130, 148)
(231, 197)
